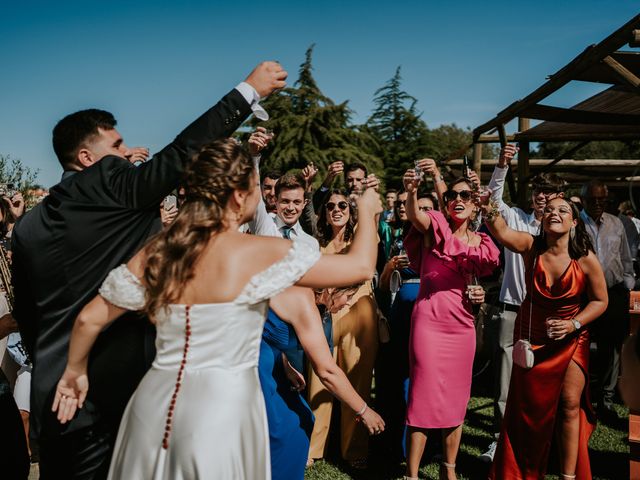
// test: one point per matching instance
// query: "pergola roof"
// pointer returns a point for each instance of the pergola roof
(613, 114)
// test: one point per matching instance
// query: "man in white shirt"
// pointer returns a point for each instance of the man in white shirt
(513, 290)
(610, 243)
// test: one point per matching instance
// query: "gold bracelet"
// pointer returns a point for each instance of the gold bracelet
(492, 214)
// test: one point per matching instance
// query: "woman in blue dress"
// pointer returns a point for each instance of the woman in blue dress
(393, 373)
(293, 315)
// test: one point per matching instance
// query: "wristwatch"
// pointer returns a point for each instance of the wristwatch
(576, 324)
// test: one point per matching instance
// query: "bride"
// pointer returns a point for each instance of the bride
(199, 412)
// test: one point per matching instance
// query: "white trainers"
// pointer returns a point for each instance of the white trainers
(487, 456)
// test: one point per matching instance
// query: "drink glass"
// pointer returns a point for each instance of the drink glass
(548, 322)
(418, 171)
(472, 284)
(484, 193)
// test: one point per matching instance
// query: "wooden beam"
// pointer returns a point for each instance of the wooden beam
(493, 139)
(560, 157)
(477, 158)
(622, 71)
(635, 39)
(523, 166)
(571, 115)
(583, 61)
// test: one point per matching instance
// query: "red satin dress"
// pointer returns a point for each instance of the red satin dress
(530, 417)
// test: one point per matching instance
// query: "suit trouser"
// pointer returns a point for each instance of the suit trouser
(504, 363)
(355, 339)
(81, 455)
(611, 329)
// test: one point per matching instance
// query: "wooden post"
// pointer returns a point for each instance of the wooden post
(477, 159)
(634, 417)
(523, 167)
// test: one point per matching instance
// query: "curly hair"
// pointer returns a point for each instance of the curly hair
(210, 179)
(325, 231)
(579, 242)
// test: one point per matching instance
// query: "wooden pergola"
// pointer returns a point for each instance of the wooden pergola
(613, 114)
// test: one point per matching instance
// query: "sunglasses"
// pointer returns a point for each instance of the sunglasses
(451, 195)
(341, 205)
(400, 202)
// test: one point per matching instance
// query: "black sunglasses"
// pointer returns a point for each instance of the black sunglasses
(341, 205)
(400, 202)
(451, 195)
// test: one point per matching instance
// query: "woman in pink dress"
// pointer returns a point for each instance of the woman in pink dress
(449, 256)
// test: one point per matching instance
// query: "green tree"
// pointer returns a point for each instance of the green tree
(402, 136)
(13, 171)
(310, 128)
(593, 150)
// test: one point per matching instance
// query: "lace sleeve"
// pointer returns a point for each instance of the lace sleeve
(281, 275)
(123, 289)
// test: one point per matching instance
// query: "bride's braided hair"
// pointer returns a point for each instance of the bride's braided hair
(209, 181)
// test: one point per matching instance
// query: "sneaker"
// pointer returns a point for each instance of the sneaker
(487, 456)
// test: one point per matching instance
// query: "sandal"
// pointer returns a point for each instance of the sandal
(567, 477)
(444, 466)
(310, 462)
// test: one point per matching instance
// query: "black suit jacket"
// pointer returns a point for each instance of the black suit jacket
(63, 249)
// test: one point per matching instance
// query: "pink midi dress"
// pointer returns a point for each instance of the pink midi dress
(443, 341)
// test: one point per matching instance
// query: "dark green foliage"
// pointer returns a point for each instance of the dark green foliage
(402, 136)
(311, 128)
(593, 150)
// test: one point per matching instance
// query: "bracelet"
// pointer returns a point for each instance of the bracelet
(492, 214)
(439, 178)
(362, 410)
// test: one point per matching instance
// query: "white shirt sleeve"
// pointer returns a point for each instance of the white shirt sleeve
(253, 98)
(262, 223)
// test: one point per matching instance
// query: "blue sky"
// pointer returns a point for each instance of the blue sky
(157, 65)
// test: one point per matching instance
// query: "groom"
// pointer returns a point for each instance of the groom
(95, 219)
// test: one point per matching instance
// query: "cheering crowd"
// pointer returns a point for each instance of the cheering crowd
(194, 315)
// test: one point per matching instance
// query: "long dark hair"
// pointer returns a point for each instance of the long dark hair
(325, 231)
(579, 241)
(210, 179)
(8, 217)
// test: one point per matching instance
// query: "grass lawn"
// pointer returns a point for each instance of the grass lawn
(609, 452)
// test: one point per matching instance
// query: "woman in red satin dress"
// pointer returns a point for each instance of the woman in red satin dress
(564, 280)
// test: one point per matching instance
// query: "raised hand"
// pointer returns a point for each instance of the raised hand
(507, 153)
(411, 181)
(335, 169)
(428, 165)
(309, 173)
(369, 203)
(70, 394)
(16, 204)
(259, 140)
(267, 77)
(137, 154)
(371, 181)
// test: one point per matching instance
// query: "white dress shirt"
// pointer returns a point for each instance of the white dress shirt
(610, 242)
(270, 225)
(513, 288)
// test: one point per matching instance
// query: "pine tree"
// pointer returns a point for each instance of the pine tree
(310, 128)
(401, 134)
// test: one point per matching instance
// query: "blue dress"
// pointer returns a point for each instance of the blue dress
(289, 417)
(393, 371)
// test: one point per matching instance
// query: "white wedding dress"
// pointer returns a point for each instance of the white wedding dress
(217, 427)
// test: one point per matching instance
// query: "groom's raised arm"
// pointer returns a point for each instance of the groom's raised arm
(145, 186)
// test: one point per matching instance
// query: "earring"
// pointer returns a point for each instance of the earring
(572, 233)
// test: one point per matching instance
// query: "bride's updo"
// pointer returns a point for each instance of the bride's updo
(209, 181)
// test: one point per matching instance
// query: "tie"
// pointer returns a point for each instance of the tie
(286, 232)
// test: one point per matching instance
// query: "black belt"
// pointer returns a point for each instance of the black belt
(510, 308)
